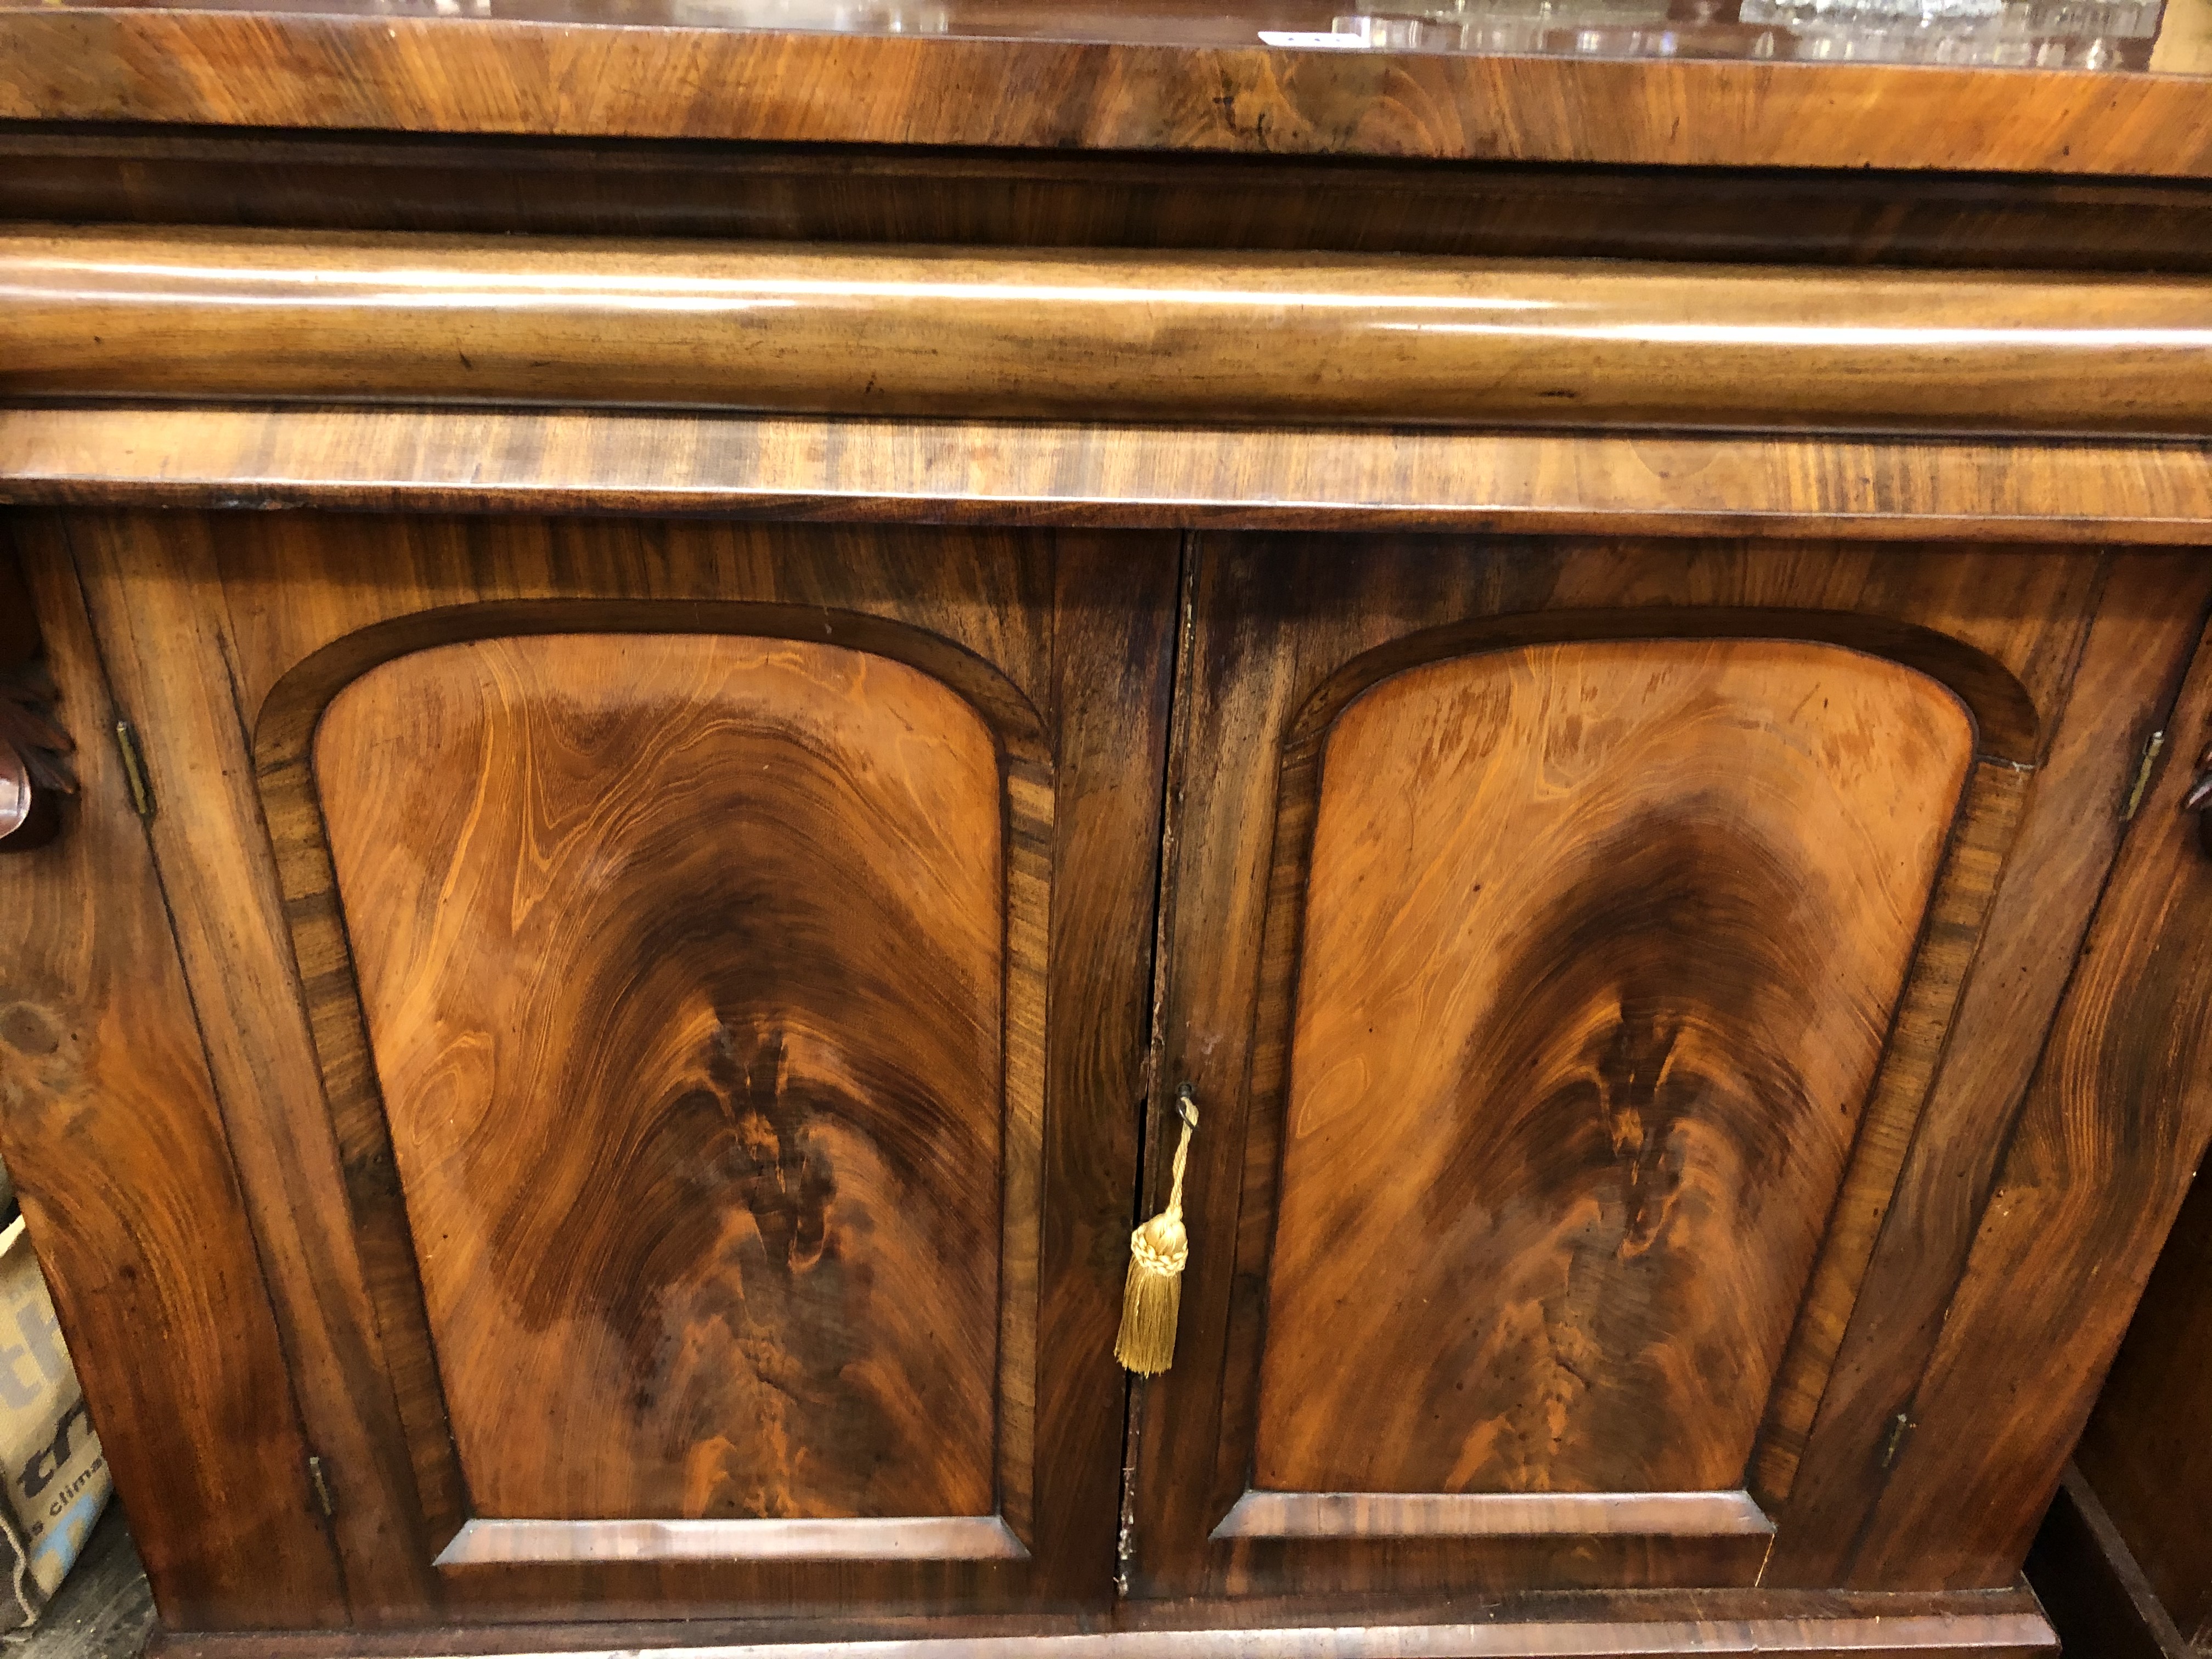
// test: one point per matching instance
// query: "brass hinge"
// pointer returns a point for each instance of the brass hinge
(2143, 775)
(134, 770)
(322, 1486)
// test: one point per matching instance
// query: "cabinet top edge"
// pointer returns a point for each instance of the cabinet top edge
(1173, 76)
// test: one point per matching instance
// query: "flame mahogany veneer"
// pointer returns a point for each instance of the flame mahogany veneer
(741, 649)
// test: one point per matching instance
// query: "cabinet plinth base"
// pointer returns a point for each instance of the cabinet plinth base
(1611, 1626)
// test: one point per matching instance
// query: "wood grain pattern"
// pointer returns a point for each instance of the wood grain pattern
(291, 711)
(113, 1134)
(1982, 843)
(152, 598)
(846, 1538)
(1259, 1615)
(914, 194)
(2115, 1123)
(1038, 472)
(151, 577)
(1599, 945)
(220, 622)
(700, 1134)
(147, 312)
(1277, 618)
(271, 615)
(2131, 663)
(1471, 1515)
(1039, 85)
(2009, 1634)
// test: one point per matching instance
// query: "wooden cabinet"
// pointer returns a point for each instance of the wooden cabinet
(690, 721)
(679, 995)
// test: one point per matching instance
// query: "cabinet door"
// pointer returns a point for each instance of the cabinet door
(723, 955)
(1567, 942)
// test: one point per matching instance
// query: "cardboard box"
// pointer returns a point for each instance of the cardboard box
(57, 1478)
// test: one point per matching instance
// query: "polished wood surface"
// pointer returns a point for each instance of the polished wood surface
(1276, 619)
(1966, 899)
(1139, 273)
(1600, 944)
(2022, 1634)
(161, 632)
(116, 1140)
(153, 313)
(848, 1538)
(1447, 1514)
(1951, 1618)
(700, 1133)
(1631, 1632)
(1075, 626)
(1014, 472)
(2117, 1119)
(906, 193)
(1178, 76)
(213, 847)
(1919, 1237)
(291, 713)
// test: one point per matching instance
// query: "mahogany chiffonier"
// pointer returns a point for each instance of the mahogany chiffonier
(670, 673)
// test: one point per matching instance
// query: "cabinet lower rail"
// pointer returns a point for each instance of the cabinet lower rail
(1612, 1626)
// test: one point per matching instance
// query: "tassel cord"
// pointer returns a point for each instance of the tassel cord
(1182, 1161)
(1151, 1300)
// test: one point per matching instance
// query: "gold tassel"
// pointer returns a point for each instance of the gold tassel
(1152, 1296)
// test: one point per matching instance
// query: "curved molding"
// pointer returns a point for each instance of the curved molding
(922, 331)
(296, 701)
(2007, 725)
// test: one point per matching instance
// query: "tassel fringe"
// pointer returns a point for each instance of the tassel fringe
(1151, 1297)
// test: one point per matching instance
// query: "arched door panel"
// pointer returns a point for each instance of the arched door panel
(1568, 939)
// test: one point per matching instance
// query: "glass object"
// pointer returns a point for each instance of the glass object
(2019, 34)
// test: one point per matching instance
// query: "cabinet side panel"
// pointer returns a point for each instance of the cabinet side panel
(681, 958)
(108, 1123)
(2115, 1122)
(1602, 940)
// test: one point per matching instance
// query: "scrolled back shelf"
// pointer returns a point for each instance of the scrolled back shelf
(332, 317)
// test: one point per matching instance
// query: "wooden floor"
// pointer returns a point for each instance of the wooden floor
(104, 1610)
